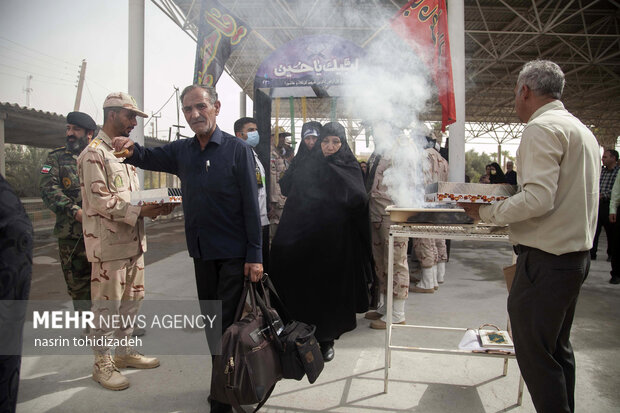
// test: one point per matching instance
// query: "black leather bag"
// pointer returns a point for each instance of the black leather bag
(249, 367)
(300, 353)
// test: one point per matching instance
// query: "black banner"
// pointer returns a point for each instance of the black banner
(219, 34)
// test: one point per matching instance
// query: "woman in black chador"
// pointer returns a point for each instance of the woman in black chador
(310, 132)
(321, 254)
(497, 175)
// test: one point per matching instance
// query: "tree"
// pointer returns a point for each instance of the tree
(505, 158)
(475, 164)
(23, 168)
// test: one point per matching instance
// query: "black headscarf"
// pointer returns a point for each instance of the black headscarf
(302, 153)
(499, 177)
(321, 252)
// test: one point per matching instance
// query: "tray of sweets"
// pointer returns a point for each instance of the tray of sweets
(453, 192)
(157, 196)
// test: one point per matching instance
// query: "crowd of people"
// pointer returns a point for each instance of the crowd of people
(319, 224)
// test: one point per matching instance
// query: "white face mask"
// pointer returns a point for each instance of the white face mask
(253, 138)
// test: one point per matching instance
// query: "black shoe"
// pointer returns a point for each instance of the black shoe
(138, 332)
(328, 352)
(614, 280)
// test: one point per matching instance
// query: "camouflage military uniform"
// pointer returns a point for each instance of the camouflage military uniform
(60, 191)
(380, 225)
(429, 251)
(113, 233)
(278, 166)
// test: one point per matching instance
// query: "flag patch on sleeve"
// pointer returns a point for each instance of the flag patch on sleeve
(45, 169)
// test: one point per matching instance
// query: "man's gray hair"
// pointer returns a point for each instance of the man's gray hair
(544, 77)
(210, 92)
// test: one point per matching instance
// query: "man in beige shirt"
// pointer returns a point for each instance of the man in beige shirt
(115, 241)
(552, 222)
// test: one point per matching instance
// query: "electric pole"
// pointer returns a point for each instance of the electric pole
(154, 116)
(28, 90)
(178, 126)
(80, 85)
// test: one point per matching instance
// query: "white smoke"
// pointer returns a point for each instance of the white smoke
(390, 89)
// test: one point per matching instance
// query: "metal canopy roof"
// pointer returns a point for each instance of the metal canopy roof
(582, 36)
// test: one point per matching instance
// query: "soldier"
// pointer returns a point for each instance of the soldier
(431, 253)
(115, 240)
(60, 190)
(380, 227)
(279, 165)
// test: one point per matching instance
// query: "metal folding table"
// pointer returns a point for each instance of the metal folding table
(477, 232)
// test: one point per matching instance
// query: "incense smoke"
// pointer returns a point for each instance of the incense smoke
(389, 91)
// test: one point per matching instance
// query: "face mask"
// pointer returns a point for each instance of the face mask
(253, 138)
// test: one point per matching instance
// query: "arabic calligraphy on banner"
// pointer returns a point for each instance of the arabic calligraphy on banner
(219, 34)
(423, 24)
(321, 60)
(316, 67)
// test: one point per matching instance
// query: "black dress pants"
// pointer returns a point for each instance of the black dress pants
(220, 280)
(615, 255)
(541, 305)
(603, 222)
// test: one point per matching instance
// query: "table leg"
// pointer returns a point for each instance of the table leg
(388, 310)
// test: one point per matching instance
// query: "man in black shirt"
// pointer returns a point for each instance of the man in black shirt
(220, 202)
(511, 175)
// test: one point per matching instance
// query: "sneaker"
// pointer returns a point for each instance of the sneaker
(373, 315)
(106, 373)
(381, 325)
(417, 289)
(614, 280)
(128, 357)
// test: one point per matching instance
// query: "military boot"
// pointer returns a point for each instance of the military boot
(106, 373)
(128, 357)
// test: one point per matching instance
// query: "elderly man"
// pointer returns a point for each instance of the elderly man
(60, 191)
(220, 202)
(511, 174)
(552, 222)
(115, 242)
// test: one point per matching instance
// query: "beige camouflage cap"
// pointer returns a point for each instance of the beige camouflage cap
(123, 100)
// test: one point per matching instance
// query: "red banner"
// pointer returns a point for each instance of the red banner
(423, 24)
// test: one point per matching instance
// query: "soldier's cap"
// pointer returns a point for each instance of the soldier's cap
(82, 120)
(123, 100)
(281, 132)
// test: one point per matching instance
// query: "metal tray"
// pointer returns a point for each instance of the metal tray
(429, 215)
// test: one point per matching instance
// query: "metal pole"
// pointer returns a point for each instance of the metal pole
(242, 105)
(136, 67)
(456, 31)
(78, 95)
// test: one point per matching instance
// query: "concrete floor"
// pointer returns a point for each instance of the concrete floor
(474, 293)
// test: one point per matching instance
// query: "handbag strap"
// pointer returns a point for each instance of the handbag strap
(248, 288)
(266, 281)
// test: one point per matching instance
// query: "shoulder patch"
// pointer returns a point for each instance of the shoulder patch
(96, 142)
(46, 169)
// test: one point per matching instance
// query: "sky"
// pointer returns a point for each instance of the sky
(49, 39)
